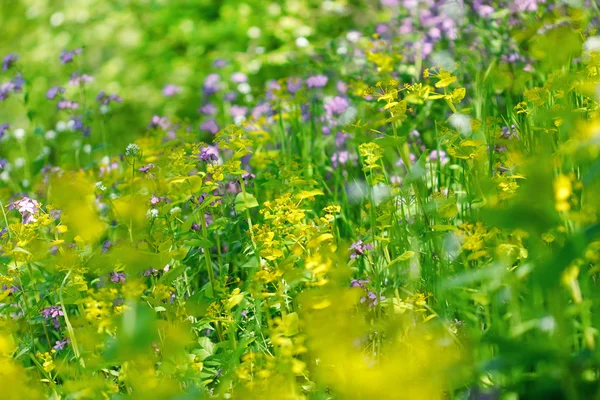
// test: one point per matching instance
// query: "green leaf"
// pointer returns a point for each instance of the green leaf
(244, 201)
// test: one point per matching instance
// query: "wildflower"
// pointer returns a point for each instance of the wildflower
(27, 207)
(53, 91)
(210, 126)
(3, 129)
(78, 125)
(220, 63)
(158, 121)
(359, 249)
(294, 84)
(171, 90)
(208, 109)
(17, 83)
(67, 105)
(239, 77)
(336, 106)
(9, 61)
(67, 56)
(209, 153)
(211, 84)
(117, 277)
(132, 150)
(238, 111)
(105, 99)
(152, 213)
(53, 313)
(61, 344)
(146, 168)
(435, 155)
(317, 81)
(78, 79)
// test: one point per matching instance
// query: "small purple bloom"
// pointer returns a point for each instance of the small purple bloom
(171, 90)
(67, 56)
(239, 77)
(211, 84)
(9, 61)
(78, 79)
(359, 249)
(3, 129)
(146, 168)
(336, 106)
(117, 277)
(317, 81)
(103, 98)
(27, 208)
(208, 109)
(53, 91)
(158, 121)
(209, 126)
(294, 84)
(61, 344)
(209, 153)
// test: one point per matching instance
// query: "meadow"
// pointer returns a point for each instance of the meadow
(300, 199)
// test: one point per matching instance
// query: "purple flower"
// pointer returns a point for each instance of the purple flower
(510, 133)
(195, 227)
(9, 61)
(208, 109)
(158, 121)
(146, 168)
(67, 105)
(61, 344)
(238, 111)
(211, 84)
(317, 81)
(239, 77)
(106, 246)
(209, 153)
(220, 63)
(27, 207)
(53, 313)
(435, 155)
(230, 96)
(171, 90)
(336, 106)
(294, 84)
(261, 109)
(53, 91)
(359, 249)
(526, 5)
(78, 79)
(117, 277)
(105, 99)
(3, 129)
(78, 125)
(17, 83)
(67, 56)
(5, 90)
(209, 126)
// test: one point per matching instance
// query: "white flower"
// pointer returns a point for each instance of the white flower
(100, 186)
(19, 162)
(244, 88)
(132, 149)
(61, 126)
(19, 133)
(175, 210)
(152, 213)
(50, 135)
(254, 32)
(87, 148)
(302, 42)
